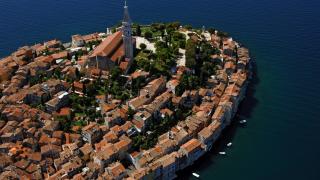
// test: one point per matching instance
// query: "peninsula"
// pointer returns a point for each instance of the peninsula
(134, 102)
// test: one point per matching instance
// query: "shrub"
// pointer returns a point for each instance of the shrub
(211, 30)
(143, 46)
(188, 26)
(148, 35)
(190, 54)
(138, 30)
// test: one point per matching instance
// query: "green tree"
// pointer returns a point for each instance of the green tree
(143, 63)
(211, 30)
(143, 46)
(222, 34)
(174, 25)
(182, 44)
(160, 45)
(138, 30)
(115, 73)
(78, 75)
(76, 57)
(190, 54)
(84, 90)
(130, 113)
(177, 36)
(188, 26)
(148, 35)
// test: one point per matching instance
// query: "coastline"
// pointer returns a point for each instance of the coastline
(226, 126)
(210, 123)
(281, 109)
(225, 137)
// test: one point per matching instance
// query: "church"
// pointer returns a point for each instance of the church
(116, 50)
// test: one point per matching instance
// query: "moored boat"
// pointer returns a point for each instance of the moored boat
(243, 121)
(196, 175)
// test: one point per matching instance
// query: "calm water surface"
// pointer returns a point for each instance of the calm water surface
(281, 139)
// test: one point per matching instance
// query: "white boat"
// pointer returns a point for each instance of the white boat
(229, 144)
(196, 175)
(222, 153)
(243, 121)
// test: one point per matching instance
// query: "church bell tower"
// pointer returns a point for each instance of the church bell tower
(127, 34)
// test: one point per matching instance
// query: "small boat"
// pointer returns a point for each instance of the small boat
(229, 144)
(243, 121)
(222, 153)
(196, 175)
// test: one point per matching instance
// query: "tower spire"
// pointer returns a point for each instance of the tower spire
(127, 34)
(126, 17)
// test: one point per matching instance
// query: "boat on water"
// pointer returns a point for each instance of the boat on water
(229, 144)
(243, 121)
(196, 175)
(222, 153)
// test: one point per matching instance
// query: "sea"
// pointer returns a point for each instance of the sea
(281, 139)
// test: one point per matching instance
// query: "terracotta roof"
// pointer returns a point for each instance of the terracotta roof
(46, 59)
(139, 73)
(191, 145)
(65, 111)
(229, 65)
(118, 53)
(57, 134)
(218, 113)
(138, 101)
(166, 111)
(22, 164)
(174, 82)
(90, 37)
(78, 85)
(110, 137)
(108, 45)
(60, 55)
(124, 65)
(117, 169)
(126, 126)
(36, 156)
(86, 149)
(52, 43)
(108, 107)
(122, 144)
(205, 133)
(137, 124)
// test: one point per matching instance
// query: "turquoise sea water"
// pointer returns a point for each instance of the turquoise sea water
(281, 139)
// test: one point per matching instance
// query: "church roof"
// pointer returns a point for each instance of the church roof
(108, 45)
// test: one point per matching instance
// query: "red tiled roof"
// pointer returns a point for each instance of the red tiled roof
(118, 53)
(191, 145)
(78, 85)
(124, 65)
(65, 111)
(60, 55)
(108, 45)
